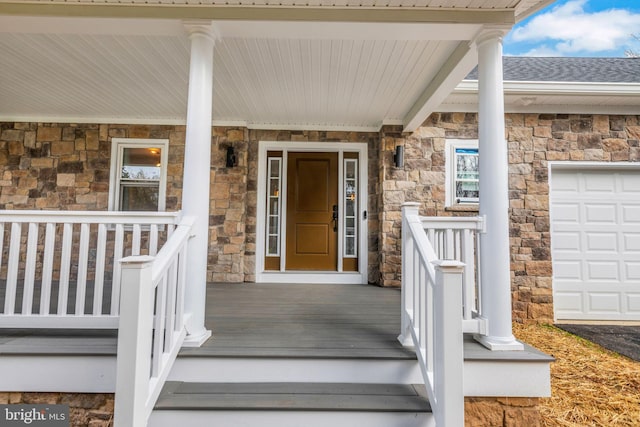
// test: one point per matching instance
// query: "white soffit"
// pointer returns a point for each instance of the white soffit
(275, 75)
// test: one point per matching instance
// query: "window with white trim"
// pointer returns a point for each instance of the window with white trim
(138, 179)
(462, 173)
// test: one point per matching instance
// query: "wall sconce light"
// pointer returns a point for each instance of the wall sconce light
(232, 158)
(398, 157)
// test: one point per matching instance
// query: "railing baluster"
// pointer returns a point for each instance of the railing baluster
(83, 260)
(158, 326)
(65, 266)
(153, 240)
(12, 269)
(115, 280)
(171, 304)
(47, 268)
(1, 242)
(182, 278)
(469, 278)
(30, 269)
(135, 244)
(101, 244)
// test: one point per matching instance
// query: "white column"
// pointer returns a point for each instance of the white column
(196, 182)
(494, 196)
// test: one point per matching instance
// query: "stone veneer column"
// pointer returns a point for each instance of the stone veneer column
(196, 184)
(494, 196)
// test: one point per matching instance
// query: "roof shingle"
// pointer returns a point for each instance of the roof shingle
(566, 69)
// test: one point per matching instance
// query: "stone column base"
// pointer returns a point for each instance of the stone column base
(502, 412)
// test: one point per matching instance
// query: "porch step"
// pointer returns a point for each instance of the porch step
(291, 405)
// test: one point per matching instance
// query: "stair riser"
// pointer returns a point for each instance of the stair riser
(222, 370)
(289, 419)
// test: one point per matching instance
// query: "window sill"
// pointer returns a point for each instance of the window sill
(470, 207)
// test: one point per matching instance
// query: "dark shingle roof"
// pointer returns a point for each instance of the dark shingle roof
(589, 70)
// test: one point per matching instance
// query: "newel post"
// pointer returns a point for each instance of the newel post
(409, 209)
(134, 342)
(449, 357)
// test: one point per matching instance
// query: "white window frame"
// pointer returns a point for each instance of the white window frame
(117, 148)
(450, 169)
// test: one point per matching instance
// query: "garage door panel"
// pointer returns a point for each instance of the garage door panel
(600, 213)
(597, 270)
(595, 243)
(568, 270)
(568, 302)
(604, 302)
(602, 242)
(566, 212)
(600, 182)
(631, 213)
(569, 241)
(631, 242)
(565, 181)
(630, 183)
(633, 303)
(632, 270)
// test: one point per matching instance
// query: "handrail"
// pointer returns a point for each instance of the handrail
(46, 290)
(151, 328)
(431, 321)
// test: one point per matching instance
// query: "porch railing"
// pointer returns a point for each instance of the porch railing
(61, 269)
(431, 319)
(458, 238)
(151, 326)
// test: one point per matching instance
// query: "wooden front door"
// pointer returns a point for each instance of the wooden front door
(312, 199)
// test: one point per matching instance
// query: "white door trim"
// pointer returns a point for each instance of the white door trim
(282, 276)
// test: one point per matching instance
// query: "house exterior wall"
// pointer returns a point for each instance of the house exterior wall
(66, 166)
(533, 141)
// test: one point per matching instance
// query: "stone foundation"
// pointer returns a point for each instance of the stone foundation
(501, 412)
(85, 409)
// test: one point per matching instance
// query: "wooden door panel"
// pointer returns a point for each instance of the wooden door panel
(312, 239)
(312, 182)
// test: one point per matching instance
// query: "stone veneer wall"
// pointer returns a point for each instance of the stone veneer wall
(85, 409)
(533, 140)
(66, 167)
(501, 412)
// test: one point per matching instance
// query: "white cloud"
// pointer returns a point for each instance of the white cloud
(571, 30)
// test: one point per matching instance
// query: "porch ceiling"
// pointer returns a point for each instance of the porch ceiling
(353, 71)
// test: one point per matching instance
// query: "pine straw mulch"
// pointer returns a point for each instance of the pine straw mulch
(590, 386)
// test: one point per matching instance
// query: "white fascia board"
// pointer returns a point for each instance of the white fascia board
(547, 108)
(557, 88)
(92, 120)
(91, 26)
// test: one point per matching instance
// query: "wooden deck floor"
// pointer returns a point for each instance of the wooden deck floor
(262, 320)
(302, 320)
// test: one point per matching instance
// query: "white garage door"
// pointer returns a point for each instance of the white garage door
(595, 243)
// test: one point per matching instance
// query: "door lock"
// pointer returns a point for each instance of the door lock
(334, 218)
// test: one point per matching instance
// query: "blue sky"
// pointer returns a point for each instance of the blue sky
(578, 28)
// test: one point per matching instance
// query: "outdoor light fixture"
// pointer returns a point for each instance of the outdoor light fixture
(398, 158)
(232, 159)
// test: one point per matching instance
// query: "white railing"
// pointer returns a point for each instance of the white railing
(431, 319)
(60, 269)
(151, 326)
(458, 238)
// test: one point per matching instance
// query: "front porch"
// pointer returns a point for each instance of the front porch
(265, 334)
